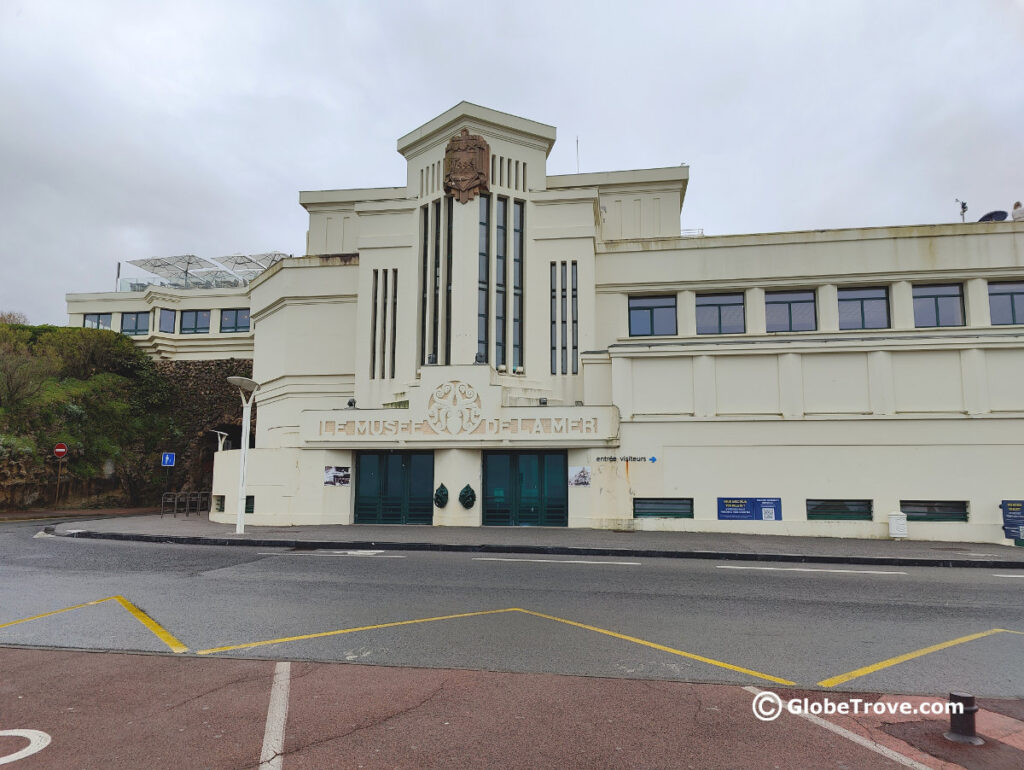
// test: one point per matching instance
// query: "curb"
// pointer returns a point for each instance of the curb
(550, 550)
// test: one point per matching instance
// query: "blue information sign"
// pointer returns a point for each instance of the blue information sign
(1013, 518)
(750, 508)
(167, 459)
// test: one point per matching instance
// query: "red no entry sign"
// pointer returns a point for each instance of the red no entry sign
(60, 450)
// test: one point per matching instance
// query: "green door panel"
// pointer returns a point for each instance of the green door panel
(394, 488)
(525, 489)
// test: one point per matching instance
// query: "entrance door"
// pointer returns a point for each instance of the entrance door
(394, 488)
(526, 489)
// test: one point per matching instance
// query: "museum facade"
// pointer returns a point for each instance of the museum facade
(490, 345)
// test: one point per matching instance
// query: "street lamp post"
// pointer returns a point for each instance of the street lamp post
(244, 385)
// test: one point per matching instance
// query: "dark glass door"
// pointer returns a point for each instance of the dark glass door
(526, 489)
(394, 488)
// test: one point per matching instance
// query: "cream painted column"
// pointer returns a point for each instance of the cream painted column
(686, 314)
(881, 388)
(455, 468)
(705, 387)
(791, 385)
(976, 304)
(828, 308)
(622, 386)
(465, 247)
(753, 301)
(974, 377)
(901, 302)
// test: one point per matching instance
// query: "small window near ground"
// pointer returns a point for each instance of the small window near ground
(234, 320)
(195, 321)
(839, 510)
(218, 503)
(135, 323)
(866, 308)
(934, 510)
(663, 507)
(652, 316)
(720, 314)
(250, 503)
(941, 305)
(790, 311)
(96, 321)
(167, 319)
(1006, 301)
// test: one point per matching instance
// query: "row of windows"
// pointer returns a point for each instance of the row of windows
(192, 321)
(935, 305)
(817, 510)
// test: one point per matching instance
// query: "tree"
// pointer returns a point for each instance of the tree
(22, 372)
(13, 317)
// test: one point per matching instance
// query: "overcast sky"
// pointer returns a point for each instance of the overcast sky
(139, 129)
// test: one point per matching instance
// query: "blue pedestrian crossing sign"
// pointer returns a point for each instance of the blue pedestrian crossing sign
(167, 460)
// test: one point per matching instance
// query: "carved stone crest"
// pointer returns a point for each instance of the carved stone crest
(466, 166)
(454, 408)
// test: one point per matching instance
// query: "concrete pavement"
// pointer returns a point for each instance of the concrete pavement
(199, 530)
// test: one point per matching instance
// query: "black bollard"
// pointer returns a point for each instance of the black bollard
(961, 725)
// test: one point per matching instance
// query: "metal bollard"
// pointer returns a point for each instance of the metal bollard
(961, 726)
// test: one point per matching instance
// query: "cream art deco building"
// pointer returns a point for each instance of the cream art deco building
(486, 344)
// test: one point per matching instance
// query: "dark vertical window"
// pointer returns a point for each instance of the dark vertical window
(394, 316)
(423, 284)
(437, 276)
(167, 320)
(500, 235)
(373, 329)
(483, 259)
(518, 340)
(1006, 301)
(575, 322)
(941, 305)
(565, 321)
(448, 281)
(383, 323)
(866, 308)
(554, 319)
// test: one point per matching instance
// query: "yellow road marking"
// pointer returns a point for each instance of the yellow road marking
(663, 648)
(352, 630)
(158, 631)
(833, 681)
(55, 612)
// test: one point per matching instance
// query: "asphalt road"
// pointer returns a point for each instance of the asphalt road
(694, 621)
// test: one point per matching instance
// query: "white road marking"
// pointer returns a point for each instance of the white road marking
(860, 740)
(271, 756)
(374, 554)
(812, 569)
(37, 741)
(1009, 576)
(558, 561)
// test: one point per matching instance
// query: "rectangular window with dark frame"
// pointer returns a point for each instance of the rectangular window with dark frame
(236, 320)
(938, 305)
(839, 510)
(500, 270)
(720, 314)
(437, 277)
(394, 317)
(790, 311)
(663, 507)
(195, 321)
(424, 286)
(652, 316)
(565, 323)
(383, 324)
(135, 323)
(1006, 302)
(934, 510)
(518, 228)
(483, 280)
(554, 318)
(864, 308)
(168, 318)
(373, 325)
(96, 321)
(575, 322)
(447, 288)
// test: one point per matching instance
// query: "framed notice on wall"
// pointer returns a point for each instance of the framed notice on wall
(337, 475)
(750, 508)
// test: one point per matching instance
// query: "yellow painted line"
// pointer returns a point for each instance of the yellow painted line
(55, 612)
(158, 631)
(663, 648)
(833, 681)
(353, 630)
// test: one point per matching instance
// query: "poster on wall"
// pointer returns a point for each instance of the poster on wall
(750, 508)
(1013, 518)
(579, 475)
(337, 475)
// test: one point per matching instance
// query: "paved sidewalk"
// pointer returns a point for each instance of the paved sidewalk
(195, 530)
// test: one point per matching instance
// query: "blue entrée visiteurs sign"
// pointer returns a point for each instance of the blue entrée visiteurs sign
(750, 508)
(1013, 518)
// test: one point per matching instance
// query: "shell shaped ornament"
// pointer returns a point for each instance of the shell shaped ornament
(467, 497)
(454, 408)
(441, 496)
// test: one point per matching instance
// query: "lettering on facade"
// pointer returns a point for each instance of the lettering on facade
(484, 428)
(466, 166)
